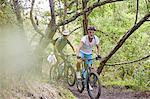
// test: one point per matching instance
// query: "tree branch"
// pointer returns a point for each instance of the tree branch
(71, 3)
(51, 4)
(122, 63)
(95, 5)
(137, 10)
(85, 19)
(75, 29)
(121, 41)
(51, 27)
(65, 13)
(32, 21)
(17, 10)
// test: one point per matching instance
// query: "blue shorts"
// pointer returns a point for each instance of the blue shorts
(87, 56)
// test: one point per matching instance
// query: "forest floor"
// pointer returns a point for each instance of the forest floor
(115, 92)
(38, 90)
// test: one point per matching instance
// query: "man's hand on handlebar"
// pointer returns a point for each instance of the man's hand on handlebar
(78, 57)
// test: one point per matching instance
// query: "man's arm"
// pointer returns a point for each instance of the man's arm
(97, 49)
(70, 45)
(78, 49)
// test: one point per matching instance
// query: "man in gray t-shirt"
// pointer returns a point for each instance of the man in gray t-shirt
(60, 43)
(85, 48)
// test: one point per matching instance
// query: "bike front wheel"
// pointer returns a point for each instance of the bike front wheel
(94, 86)
(53, 73)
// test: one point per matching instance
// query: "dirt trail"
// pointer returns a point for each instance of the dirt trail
(112, 93)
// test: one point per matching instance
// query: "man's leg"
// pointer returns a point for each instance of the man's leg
(78, 74)
(64, 57)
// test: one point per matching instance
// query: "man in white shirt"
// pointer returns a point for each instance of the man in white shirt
(51, 59)
(85, 48)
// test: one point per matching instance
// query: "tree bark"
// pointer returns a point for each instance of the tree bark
(50, 31)
(17, 9)
(137, 11)
(85, 20)
(51, 28)
(32, 21)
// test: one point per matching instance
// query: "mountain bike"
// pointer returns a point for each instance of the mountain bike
(89, 79)
(64, 70)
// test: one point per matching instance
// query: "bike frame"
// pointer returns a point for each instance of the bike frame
(87, 67)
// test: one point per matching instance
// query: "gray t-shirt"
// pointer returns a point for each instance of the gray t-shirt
(61, 43)
(87, 45)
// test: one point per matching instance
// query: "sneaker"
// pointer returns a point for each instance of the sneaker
(78, 75)
(90, 87)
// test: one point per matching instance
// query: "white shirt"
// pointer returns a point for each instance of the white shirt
(87, 45)
(52, 59)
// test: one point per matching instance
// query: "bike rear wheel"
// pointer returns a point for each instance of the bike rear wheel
(56, 72)
(94, 82)
(71, 76)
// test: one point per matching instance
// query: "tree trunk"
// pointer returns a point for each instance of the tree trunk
(85, 20)
(50, 32)
(17, 9)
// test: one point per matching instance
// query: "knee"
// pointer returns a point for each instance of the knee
(79, 61)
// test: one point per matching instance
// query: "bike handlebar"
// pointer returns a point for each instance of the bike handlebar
(71, 55)
(95, 58)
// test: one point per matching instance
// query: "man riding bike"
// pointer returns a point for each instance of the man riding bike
(60, 43)
(85, 49)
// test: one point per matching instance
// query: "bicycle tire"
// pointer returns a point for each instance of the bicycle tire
(55, 72)
(80, 85)
(94, 81)
(71, 81)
